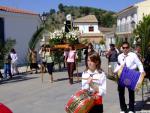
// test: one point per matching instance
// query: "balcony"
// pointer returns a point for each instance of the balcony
(124, 29)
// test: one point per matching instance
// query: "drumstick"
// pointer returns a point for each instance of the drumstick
(80, 78)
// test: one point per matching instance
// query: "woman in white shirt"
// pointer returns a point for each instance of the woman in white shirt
(14, 58)
(94, 80)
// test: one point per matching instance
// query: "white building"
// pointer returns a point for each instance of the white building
(88, 26)
(109, 36)
(129, 17)
(19, 25)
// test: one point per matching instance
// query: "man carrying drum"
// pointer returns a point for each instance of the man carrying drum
(131, 61)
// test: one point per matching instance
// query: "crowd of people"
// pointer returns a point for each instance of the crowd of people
(93, 77)
(10, 65)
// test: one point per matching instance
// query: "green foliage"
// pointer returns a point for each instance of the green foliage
(55, 20)
(52, 11)
(118, 41)
(5, 49)
(79, 54)
(9, 44)
(107, 20)
(132, 41)
(101, 42)
(58, 57)
(85, 41)
(61, 7)
(35, 38)
(143, 32)
(55, 41)
(72, 40)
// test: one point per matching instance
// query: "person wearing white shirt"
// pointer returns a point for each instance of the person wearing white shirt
(14, 57)
(94, 80)
(131, 60)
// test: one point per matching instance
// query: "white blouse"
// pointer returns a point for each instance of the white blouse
(99, 79)
(14, 57)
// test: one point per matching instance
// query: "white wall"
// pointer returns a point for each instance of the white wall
(110, 38)
(127, 18)
(20, 27)
(84, 27)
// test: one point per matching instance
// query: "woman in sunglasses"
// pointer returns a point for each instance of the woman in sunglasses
(131, 60)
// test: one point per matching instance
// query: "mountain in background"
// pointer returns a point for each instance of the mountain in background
(55, 20)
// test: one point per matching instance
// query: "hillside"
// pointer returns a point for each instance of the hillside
(55, 20)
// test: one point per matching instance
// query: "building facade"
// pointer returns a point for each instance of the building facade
(19, 25)
(88, 26)
(128, 18)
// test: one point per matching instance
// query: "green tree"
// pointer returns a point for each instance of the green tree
(143, 32)
(61, 7)
(52, 11)
(118, 41)
(35, 38)
(5, 49)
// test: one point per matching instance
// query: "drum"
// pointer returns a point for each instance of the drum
(130, 78)
(80, 102)
(4, 109)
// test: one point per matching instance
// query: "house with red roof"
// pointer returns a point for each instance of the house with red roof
(19, 25)
(88, 26)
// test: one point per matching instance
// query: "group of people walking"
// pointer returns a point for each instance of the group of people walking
(93, 77)
(10, 65)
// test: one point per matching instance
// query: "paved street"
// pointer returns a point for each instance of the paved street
(26, 93)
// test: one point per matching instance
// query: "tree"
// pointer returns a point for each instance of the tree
(52, 11)
(142, 32)
(61, 7)
(5, 49)
(35, 38)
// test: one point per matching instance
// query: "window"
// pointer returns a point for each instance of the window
(91, 28)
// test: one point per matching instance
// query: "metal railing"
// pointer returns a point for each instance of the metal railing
(124, 28)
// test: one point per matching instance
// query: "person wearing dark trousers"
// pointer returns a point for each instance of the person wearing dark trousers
(130, 60)
(49, 63)
(94, 80)
(7, 66)
(71, 62)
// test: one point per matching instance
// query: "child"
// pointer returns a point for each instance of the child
(49, 63)
(94, 80)
(14, 57)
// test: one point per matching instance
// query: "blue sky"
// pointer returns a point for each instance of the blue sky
(39, 6)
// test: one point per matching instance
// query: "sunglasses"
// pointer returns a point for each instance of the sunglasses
(125, 47)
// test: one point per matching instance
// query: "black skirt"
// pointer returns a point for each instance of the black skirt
(34, 66)
(97, 109)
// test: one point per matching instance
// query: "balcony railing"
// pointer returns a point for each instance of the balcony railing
(124, 28)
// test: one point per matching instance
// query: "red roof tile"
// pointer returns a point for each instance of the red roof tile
(14, 10)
